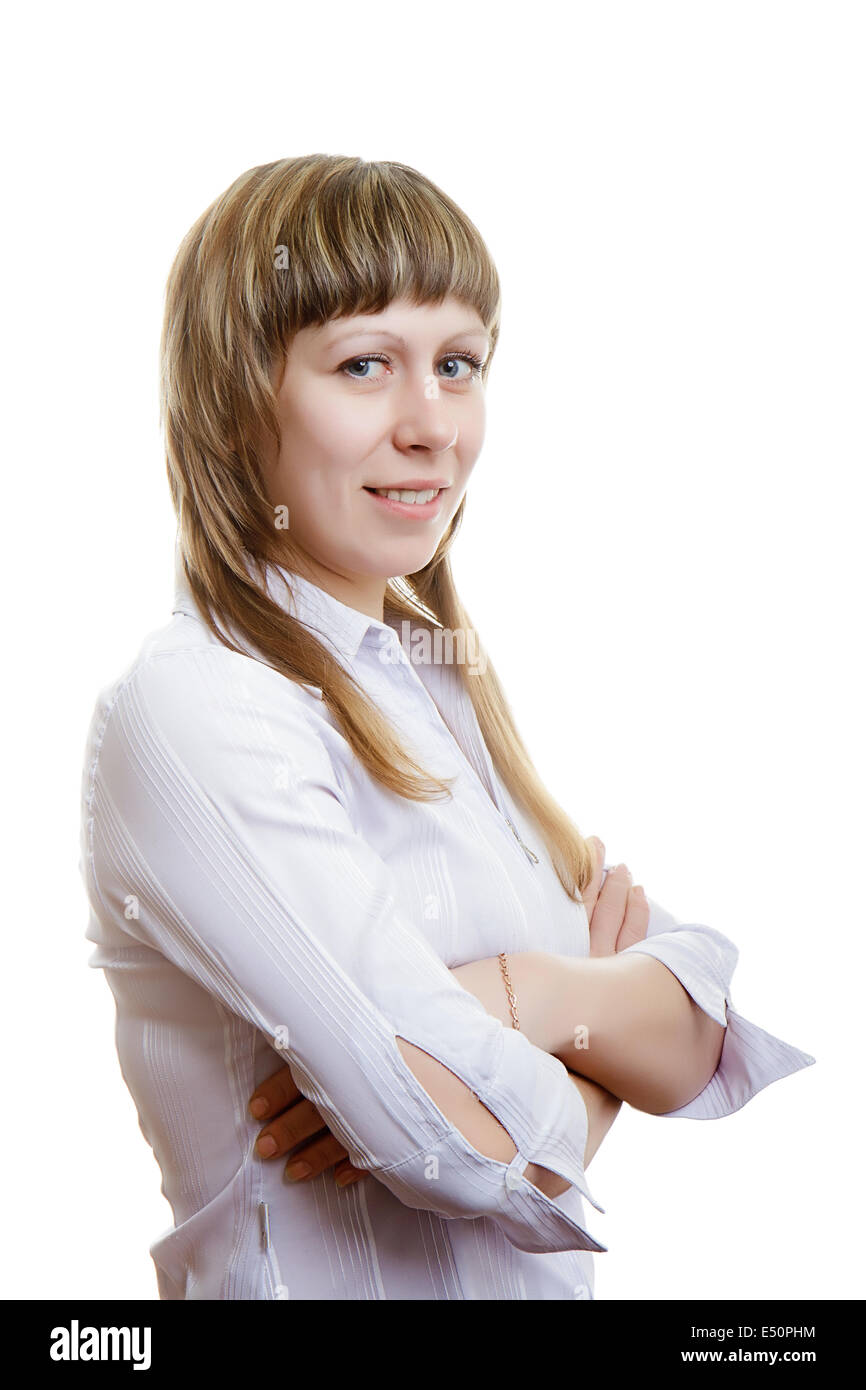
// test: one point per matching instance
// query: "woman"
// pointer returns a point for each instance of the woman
(311, 833)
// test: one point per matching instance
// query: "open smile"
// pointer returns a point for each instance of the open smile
(419, 504)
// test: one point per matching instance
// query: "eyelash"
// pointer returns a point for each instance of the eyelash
(476, 363)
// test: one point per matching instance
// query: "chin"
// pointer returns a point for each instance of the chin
(406, 563)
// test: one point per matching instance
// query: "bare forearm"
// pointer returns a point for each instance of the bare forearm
(623, 1021)
(483, 978)
(602, 1109)
(477, 1124)
(653, 1045)
(463, 1108)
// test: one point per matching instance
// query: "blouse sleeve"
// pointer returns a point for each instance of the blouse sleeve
(212, 798)
(703, 961)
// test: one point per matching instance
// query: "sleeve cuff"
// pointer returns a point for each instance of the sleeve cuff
(558, 1221)
(751, 1058)
(530, 1093)
(703, 961)
(528, 1219)
(543, 1111)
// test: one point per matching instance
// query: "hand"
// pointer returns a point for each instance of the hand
(618, 912)
(292, 1121)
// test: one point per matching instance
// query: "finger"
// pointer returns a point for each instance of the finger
(636, 920)
(348, 1173)
(320, 1155)
(278, 1091)
(590, 893)
(299, 1122)
(609, 912)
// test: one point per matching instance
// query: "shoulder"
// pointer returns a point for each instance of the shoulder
(187, 698)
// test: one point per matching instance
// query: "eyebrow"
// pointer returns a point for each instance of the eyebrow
(472, 332)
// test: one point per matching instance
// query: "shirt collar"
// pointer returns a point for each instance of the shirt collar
(344, 628)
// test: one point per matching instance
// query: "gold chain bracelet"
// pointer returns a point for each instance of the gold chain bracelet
(508, 990)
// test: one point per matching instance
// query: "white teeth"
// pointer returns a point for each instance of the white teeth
(418, 497)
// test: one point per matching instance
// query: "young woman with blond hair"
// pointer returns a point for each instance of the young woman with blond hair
(327, 886)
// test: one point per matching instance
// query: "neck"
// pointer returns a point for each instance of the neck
(362, 591)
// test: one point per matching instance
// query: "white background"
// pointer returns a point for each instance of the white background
(662, 547)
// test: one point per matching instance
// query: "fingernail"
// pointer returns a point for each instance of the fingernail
(298, 1170)
(259, 1108)
(267, 1146)
(343, 1179)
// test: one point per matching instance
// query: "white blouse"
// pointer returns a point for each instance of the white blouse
(257, 898)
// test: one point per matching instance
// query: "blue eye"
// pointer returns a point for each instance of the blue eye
(469, 357)
(354, 361)
(476, 364)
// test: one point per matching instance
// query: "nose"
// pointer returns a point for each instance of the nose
(433, 433)
(425, 421)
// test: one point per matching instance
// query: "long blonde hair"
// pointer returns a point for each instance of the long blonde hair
(352, 235)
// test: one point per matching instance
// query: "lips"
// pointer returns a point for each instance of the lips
(408, 504)
(415, 485)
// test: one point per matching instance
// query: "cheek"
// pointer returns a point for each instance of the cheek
(329, 433)
(470, 444)
(472, 427)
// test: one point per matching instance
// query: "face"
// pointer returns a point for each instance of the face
(389, 401)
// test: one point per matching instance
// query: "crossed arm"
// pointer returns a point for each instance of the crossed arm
(642, 1039)
(624, 1027)
(623, 1021)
